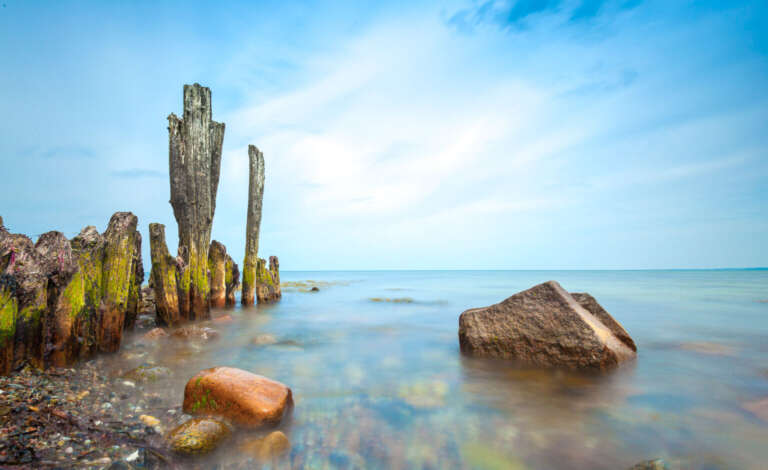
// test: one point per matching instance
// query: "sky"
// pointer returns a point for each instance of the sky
(528, 134)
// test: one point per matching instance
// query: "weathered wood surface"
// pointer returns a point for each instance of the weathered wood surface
(62, 300)
(195, 143)
(225, 275)
(164, 278)
(253, 223)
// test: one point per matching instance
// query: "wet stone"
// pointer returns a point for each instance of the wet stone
(197, 436)
(656, 464)
(148, 373)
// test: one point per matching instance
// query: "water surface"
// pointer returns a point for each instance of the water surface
(381, 383)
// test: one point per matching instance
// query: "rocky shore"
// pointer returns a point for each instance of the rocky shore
(107, 414)
(64, 418)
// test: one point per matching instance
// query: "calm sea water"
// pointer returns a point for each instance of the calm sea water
(382, 384)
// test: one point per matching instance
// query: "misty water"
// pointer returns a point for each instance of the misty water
(381, 383)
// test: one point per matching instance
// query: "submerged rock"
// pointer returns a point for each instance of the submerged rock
(147, 373)
(267, 339)
(705, 347)
(224, 319)
(155, 334)
(197, 436)
(196, 333)
(247, 399)
(656, 464)
(424, 394)
(267, 447)
(759, 408)
(547, 326)
(264, 340)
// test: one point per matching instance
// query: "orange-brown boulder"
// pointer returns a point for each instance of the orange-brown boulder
(246, 399)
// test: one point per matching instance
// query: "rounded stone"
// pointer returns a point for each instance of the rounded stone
(197, 436)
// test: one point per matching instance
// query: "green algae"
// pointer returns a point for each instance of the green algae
(228, 278)
(483, 457)
(118, 267)
(8, 315)
(74, 295)
(249, 275)
(263, 275)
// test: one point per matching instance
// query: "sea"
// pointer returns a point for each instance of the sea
(379, 381)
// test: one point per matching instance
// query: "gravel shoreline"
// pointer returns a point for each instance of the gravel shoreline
(80, 418)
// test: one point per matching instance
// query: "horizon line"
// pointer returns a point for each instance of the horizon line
(757, 268)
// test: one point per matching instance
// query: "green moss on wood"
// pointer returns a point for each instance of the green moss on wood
(228, 273)
(118, 268)
(8, 315)
(74, 295)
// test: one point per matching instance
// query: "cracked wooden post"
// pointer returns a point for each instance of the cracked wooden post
(195, 162)
(253, 223)
(121, 279)
(164, 277)
(217, 264)
(225, 276)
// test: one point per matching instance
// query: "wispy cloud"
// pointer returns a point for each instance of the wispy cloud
(68, 152)
(463, 133)
(518, 14)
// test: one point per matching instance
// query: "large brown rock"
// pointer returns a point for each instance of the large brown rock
(246, 399)
(547, 326)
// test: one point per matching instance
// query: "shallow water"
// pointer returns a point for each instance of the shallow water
(382, 384)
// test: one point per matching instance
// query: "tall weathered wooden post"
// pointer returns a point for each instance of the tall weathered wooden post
(195, 161)
(259, 282)
(253, 223)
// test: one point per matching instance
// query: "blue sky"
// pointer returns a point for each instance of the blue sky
(459, 134)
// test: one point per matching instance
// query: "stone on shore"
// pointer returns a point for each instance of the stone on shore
(546, 326)
(197, 436)
(246, 399)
